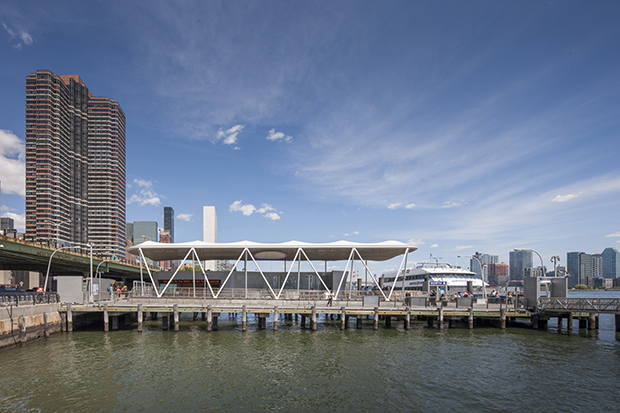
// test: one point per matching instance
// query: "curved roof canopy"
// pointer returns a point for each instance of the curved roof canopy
(332, 251)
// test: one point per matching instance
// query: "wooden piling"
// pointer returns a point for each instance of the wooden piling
(471, 318)
(176, 317)
(569, 322)
(21, 323)
(140, 318)
(244, 318)
(375, 324)
(313, 319)
(440, 317)
(343, 318)
(106, 318)
(408, 319)
(46, 332)
(502, 318)
(617, 323)
(209, 318)
(69, 319)
(114, 322)
(63, 322)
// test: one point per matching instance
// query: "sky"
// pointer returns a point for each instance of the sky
(459, 127)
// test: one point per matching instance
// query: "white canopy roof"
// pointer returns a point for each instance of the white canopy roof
(331, 251)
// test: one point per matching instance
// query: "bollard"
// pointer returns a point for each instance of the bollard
(140, 318)
(106, 321)
(275, 318)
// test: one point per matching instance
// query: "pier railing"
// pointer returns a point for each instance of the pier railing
(594, 305)
(253, 293)
(28, 298)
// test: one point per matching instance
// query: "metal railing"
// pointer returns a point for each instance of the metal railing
(597, 305)
(28, 298)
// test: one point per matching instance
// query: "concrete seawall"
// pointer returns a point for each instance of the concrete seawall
(28, 322)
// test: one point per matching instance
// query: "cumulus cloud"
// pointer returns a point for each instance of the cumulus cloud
(23, 38)
(435, 246)
(12, 163)
(564, 198)
(185, 217)
(229, 137)
(146, 195)
(265, 210)
(277, 136)
(410, 206)
(394, 205)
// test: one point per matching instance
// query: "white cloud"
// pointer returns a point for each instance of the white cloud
(414, 241)
(146, 195)
(463, 247)
(12, 163)
(354, 233)
(410, 206)
(394, 205)
(564, 198)
(185, 217)
(435, 246)
(451, 204)
(614, 235)
(230, 136)
(23, 37)
(276, 136)
(265, 210)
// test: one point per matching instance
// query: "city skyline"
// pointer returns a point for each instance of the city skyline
(459, 127)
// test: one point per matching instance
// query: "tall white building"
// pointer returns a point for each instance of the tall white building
(209, 231)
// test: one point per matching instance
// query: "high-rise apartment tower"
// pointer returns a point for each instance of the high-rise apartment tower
(75, 164)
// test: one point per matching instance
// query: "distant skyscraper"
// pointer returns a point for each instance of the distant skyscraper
(611, 263)
(169, 222)
(581, 266)
(145, 231)
(7, 223)
(129, 232)
(209, 231)
(75, 163)
(484, 259)
(519, 261)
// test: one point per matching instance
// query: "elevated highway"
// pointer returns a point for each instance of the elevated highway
(16, 254)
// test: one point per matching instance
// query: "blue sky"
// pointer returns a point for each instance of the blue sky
(457, 126)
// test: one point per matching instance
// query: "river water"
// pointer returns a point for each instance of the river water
(293, 369)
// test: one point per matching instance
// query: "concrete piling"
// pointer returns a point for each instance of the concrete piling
(502, 318)
(176, 317)
(106, 320)
(408, 319)
(140, 318)
(69, 319)
(440, 317)
(275, 318)
(343, 318)
(313, 319)
(244, 318)
(209, 318)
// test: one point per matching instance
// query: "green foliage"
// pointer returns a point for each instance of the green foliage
(581, 287)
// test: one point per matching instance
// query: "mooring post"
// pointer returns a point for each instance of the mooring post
(69, 319)
(63, 322)
(209, 318)
(106, 318)
(244, 318)
(275, 318)
(140, 318)
(502, 318)
(176, 317)
(343, 318)
(408, 319)
(313, 319)
(569, 322)
(471, 318)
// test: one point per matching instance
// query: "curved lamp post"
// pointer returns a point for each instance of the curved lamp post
(49, 263)
(482, 266)
(542, 264)
(97, 272)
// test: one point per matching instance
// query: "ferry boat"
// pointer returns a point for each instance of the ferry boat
(440, 276)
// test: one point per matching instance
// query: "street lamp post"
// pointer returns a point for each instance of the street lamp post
(482, 267)
(555, 260)
(542, 264)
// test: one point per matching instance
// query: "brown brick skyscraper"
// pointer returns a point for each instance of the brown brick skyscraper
(75, 164)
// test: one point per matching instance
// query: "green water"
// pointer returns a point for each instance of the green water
(294, 369)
